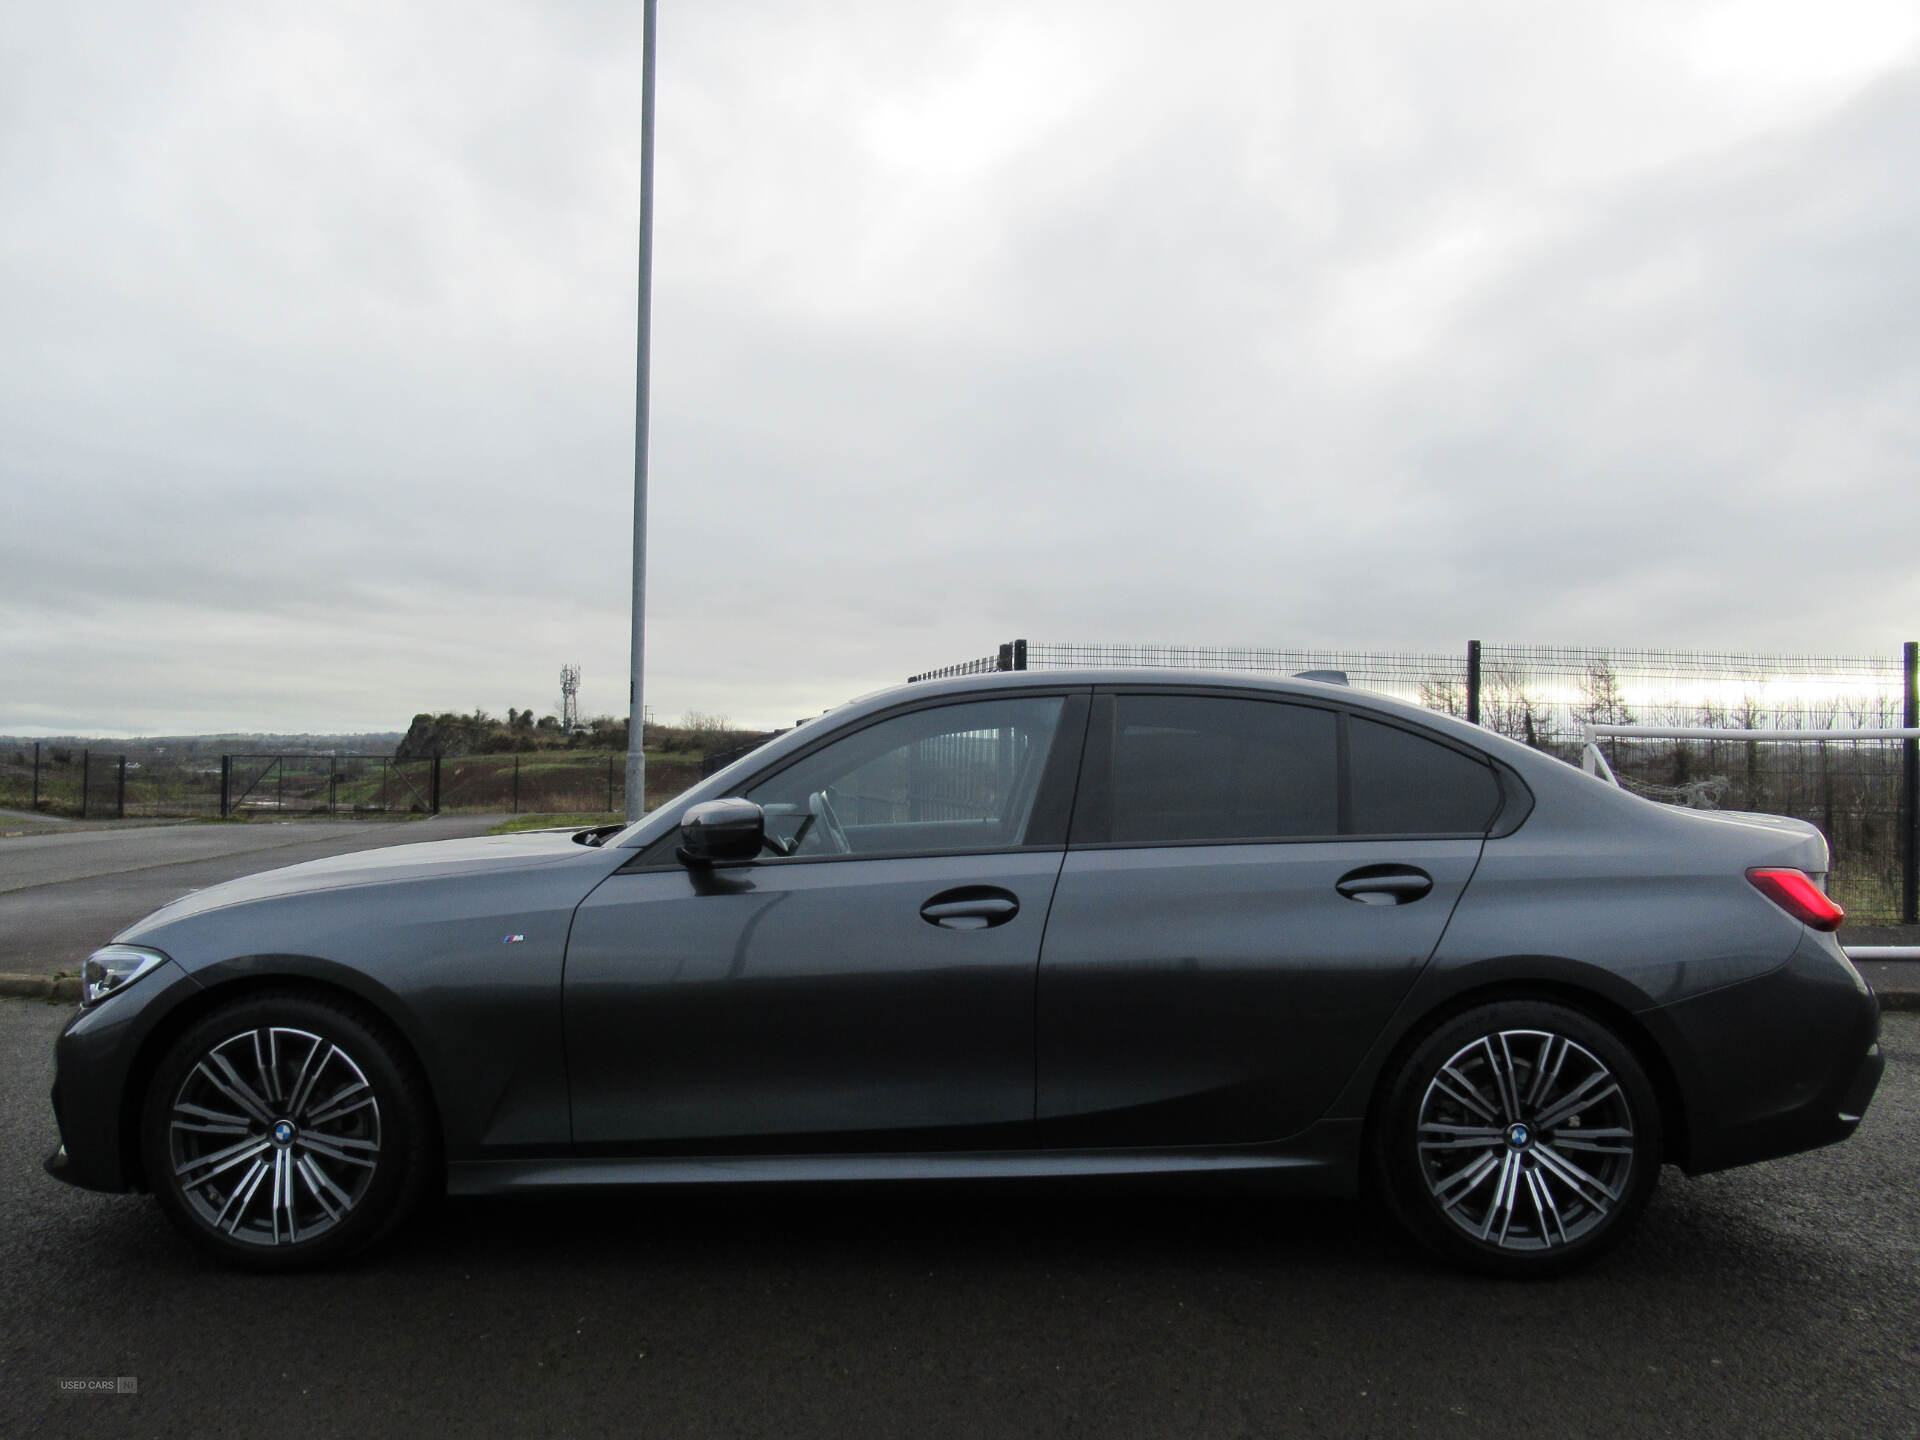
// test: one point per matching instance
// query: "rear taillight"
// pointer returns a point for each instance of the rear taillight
(1794, 892)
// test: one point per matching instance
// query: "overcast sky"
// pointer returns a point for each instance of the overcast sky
(1368, 325)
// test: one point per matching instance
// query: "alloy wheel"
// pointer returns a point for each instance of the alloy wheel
(1525, 1140)
(274, 1136)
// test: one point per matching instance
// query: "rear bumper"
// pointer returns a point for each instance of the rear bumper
(1853, 1104)
(1785, 1062)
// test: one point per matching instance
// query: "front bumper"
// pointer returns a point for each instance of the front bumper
(95, 1060)
(1785, 1062)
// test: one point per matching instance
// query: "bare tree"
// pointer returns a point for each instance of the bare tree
(705, 727)
(1509, 709)
(1449, 697)
(1601, 699)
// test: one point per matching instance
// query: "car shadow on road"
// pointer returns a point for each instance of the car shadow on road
(977, 1222)
(1690, 1234)
(1707, 1246)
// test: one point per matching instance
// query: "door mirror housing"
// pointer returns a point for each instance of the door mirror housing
(718, 830)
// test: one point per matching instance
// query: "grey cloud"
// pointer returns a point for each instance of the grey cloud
(1378, 327)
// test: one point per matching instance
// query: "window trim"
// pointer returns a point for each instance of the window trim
(1092, 827)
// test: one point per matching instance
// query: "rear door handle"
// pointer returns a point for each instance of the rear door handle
(1384, 884)
(971, 907)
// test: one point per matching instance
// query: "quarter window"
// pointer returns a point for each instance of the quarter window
(1405, 784)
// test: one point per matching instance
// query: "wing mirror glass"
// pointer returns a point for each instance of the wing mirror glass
(717, 830)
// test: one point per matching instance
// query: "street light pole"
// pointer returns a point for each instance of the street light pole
(636, 709)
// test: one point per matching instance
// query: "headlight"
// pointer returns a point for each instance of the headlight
(114, 967)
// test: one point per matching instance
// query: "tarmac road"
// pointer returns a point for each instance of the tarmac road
(1779, 1300)
(64, 894)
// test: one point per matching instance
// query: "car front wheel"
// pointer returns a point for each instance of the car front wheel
(286, 1129)
(1518, 1138)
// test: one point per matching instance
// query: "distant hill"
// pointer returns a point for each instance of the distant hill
(479, 733)
(188, 747)
(445, 735)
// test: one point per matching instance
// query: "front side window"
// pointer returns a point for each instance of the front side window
(957, 777)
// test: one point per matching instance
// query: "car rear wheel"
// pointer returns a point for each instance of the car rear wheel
(1518, 1138)
(286, 1129)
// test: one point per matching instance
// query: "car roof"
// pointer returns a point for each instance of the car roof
(1140, 675)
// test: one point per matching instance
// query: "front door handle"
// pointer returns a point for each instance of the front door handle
(971, 907)
(1384, 884)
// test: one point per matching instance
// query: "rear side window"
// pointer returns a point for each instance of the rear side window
(1404, 784)
(1188, 767)
(1202, 768)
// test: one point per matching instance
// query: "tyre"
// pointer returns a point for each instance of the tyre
(287, 1129)
(1520, 1138)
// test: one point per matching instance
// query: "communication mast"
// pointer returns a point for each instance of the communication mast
(569, 698)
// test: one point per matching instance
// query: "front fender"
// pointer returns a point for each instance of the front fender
(467, 968)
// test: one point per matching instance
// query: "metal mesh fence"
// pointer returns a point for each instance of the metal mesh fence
(1849, 788)
(557, 782)
(163, 785)
(42, 778)
(986, 664)
(554, 782)
(104, 782)
(1407, 675)
(1545, 696)
(72, 780)
(1559, 689)
(328, 785)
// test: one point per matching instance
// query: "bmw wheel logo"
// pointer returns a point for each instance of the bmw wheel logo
(1518, 1135)
(283, 1132)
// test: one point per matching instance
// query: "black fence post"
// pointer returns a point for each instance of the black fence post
(435, 801)
(516, 784)
(1019, 654)
(1005, 661)
(36, 775)
(333, 774)
(86, 779)
(1473, 682)
(226, 785)
(1910, 789)
(609, 782)
(120, 801)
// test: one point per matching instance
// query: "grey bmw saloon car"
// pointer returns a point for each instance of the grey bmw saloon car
(1063, 924)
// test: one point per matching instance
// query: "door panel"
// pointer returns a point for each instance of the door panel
(794, 1005)
(1222, 993)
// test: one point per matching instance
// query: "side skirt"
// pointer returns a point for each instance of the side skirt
(1323, 1160)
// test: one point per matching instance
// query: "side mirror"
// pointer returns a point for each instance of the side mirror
(717, 830)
